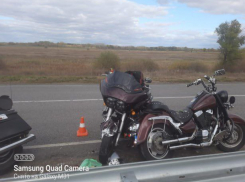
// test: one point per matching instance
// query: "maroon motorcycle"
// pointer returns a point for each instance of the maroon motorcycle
(130, 113)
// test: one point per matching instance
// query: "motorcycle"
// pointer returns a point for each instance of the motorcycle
(125, 96)
(158, 130)
(14, 132)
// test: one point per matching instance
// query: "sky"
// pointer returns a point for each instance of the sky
(181, 23)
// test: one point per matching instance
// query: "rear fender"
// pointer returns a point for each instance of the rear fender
(146, 125)
(237, 119)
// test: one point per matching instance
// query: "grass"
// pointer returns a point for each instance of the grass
(2, 64)
(49, 79)
(140, 64)
(195, 66)
(74, 65)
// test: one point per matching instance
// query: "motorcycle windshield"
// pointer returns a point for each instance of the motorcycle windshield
(123, 81)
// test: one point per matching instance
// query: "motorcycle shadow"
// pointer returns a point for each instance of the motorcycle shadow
(132, 154)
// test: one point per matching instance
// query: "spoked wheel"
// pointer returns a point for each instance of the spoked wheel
(235, 142)
(152, 148)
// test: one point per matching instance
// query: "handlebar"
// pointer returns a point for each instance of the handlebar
(197, 82)
(219, 72)
(209, 88)
(190, 84)
(207, 77)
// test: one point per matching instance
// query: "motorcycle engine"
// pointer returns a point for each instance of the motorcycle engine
(202, 136)
(131, 126)
(204, 118)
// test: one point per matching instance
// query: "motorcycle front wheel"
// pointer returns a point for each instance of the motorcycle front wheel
(235, 142)
(106, 149)
(7, 159)
(152, 148)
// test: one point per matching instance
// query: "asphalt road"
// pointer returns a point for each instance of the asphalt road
(54, 112)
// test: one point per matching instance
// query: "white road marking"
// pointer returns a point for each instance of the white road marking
(83, 100)
(187, 97)
(47, 101)
(62, 144)
(184, 97)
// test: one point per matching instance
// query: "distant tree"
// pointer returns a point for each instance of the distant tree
(107, 60)
(230, 40)
(204, 49)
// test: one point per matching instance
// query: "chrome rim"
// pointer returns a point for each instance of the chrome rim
(235, 139)
(154, 144)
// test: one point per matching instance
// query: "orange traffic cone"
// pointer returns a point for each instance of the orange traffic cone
(82, 131)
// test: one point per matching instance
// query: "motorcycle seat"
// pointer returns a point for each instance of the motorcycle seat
(182, 116)
(156, 107)
(178, 116)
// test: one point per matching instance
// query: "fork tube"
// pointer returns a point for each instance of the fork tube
(109, 114)
(120, 129)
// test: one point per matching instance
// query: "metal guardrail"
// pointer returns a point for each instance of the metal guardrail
(228, 167)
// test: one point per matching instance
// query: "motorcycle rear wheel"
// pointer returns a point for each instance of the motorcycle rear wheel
(106, 149)
(156, 151)
(236, 142)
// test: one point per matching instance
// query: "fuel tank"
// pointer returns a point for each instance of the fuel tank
(203, 101)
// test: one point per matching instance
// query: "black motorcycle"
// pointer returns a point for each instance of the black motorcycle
(14, 132)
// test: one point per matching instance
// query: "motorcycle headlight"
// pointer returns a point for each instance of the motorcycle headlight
(120, 106)
(110, 102)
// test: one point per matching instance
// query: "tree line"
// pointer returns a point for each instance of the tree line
(47, 44)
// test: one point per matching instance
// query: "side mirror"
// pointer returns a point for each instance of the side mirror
(6, 103)
(148, 80)
(222, 72)
(219, 72)
(232, 100)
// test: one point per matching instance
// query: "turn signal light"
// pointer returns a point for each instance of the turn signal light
(133, 112)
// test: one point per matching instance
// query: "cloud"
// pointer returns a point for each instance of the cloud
(214, 6)
(163, 2)
(95, 21)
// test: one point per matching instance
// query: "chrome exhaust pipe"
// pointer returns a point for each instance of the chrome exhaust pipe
(185, 146)
(206, 144)
(18, 143)
(179, 140)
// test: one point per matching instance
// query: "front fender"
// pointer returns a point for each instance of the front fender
(237, 119)
(146, 125)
